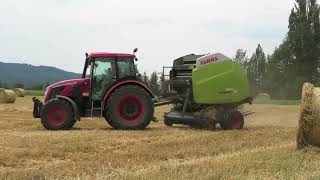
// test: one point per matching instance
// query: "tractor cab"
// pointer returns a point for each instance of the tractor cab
(105, 70)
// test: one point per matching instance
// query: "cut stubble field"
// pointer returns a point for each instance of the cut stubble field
(264, 149)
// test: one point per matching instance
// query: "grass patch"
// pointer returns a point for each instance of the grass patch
(35, 93)
(276, 102)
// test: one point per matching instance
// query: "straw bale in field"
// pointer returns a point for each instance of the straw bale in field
(309, 120)
(19, 92)
(7, 96)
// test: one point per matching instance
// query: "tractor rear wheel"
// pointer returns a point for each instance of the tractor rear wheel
(57, 114)
(130, 108)
(233, 120)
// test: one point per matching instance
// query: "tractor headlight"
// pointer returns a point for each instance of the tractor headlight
(56, 91)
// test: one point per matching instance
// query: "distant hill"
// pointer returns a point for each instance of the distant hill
(31, 76)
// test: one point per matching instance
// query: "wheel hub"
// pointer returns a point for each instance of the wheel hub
(236, 121)
(130, 109)
(58, 115)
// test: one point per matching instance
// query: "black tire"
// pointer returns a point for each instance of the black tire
(108, 120)
(129, 108)
(167, 122)
(57, 114)
(211, 125)
(232, 120)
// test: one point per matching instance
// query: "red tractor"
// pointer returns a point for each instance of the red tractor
(109, 88)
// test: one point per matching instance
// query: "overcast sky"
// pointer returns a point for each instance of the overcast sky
(59, 32)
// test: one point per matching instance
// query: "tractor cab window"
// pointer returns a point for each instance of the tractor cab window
(104, 73)
(126, 67)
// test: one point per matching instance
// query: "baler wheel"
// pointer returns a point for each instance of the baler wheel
(167, 122)
(57, 114)
(233, 120)
(211, 125)
(130, 108)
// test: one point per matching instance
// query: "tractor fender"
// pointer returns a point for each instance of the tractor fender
(73, 104)
(123, 83)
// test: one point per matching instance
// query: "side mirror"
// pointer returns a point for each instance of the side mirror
(134, 51)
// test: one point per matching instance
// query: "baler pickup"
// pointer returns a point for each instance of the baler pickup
(189, 119)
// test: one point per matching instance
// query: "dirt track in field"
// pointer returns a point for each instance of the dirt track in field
(264, 149)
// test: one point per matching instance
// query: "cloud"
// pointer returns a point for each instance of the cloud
(58, 33)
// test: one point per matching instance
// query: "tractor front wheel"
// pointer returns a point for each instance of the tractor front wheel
(57, 114)
(233, 120)
(129, 107)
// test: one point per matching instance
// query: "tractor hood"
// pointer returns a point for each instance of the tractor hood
(70, 82)
(67, 87)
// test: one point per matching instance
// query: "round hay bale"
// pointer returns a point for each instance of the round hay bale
(309, 119)
(263, 96)
(7, 96)
(19, 92)
(208, 113)
(314, 135)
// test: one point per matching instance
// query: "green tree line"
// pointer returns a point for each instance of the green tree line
(295, 61)
(153, 82)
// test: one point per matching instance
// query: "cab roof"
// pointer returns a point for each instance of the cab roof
(106, 55)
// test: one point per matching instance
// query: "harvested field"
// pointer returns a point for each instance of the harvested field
(92, 150)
